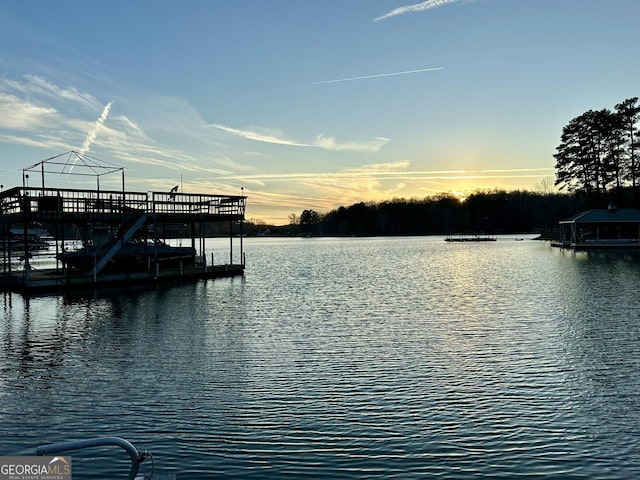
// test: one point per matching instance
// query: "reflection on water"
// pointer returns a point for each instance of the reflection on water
(344, 358)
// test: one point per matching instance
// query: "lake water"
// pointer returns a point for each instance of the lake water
(342, 358)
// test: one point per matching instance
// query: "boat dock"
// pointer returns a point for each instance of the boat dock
(612, 228)
(124, 236)
(466, 237)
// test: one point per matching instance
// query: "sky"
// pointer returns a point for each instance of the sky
(308, 104)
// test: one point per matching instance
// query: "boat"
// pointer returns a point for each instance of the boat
(132, 256)
(33, 238)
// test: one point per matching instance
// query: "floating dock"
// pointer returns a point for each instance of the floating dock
(464, 237)
(105, 223)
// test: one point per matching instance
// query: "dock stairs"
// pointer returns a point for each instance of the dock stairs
(106, 252)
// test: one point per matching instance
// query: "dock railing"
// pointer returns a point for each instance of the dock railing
(196, 203)
(62, 201)
(52, 201)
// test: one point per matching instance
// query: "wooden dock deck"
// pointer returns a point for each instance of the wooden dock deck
(58, 281)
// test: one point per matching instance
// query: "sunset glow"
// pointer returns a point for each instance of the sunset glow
(401, 101)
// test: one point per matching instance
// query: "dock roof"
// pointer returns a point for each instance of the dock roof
(604, 215)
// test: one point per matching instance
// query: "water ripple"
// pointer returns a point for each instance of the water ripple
(343, 358)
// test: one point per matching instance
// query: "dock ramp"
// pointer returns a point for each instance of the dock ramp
(124, 234)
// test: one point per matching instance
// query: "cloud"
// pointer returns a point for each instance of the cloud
(379, 75)
(259, 137)
(37, 87)
(40, 85)
(321, 141)
(167, 135)
(401, 165)
(397, 171)
(46, 115)
(19, 114)
(330, 143)
(418, 7)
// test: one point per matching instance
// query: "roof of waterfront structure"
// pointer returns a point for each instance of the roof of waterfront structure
(606, 215)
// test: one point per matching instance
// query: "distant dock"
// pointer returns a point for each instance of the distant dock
(465, 237)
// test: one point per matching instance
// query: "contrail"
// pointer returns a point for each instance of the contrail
(379, 75)
(418, 7)
(91, 136)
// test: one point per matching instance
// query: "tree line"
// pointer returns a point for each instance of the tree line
(490, 212)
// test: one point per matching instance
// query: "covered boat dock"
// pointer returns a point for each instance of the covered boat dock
(105, 223)
(609, 228)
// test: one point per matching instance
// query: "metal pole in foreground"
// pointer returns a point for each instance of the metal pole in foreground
(136, 458)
